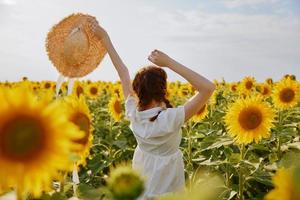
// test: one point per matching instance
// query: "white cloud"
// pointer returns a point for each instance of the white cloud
(239, 3)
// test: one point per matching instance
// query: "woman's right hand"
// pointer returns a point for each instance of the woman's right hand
(159, 58)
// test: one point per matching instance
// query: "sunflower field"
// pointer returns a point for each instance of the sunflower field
(244, 144)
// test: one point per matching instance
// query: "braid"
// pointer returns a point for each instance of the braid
(168, 104)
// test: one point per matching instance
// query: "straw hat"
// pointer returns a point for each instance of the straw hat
(73, 48)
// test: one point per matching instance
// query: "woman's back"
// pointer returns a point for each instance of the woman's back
(161, 136)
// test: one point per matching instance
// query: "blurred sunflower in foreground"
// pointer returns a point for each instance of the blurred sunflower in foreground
(125, 184)
(207, 186)
(36, 142)
(286, 94)
(286, 185)
(249, 120)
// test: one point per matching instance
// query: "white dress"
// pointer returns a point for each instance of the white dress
(157, 155)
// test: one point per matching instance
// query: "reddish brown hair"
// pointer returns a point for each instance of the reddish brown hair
(150, 83)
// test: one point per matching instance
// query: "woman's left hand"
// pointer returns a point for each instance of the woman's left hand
(99, 31)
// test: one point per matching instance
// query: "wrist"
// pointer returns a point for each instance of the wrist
(170, 63)
(106, 40)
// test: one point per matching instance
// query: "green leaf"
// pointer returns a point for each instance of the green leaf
(86, 192)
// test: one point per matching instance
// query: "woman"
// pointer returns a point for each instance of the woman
(155, 124)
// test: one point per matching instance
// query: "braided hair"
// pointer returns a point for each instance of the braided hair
(150, 83)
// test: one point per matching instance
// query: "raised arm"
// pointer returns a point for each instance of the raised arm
(204, 87)
(116, 60)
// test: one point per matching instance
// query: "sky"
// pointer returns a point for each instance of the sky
(219, 39)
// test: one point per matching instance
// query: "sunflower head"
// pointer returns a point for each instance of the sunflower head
(80, 115)
(247, 85)
(286, 94)
(125, 183)
(249, 119)
(286, 185)
(47, 85)
(36, 142)
(265, 90)
(78, 89)
(233, 87)
(115, 108)
(269, 81)
(93, 90)
(201, 114)
(293, 77)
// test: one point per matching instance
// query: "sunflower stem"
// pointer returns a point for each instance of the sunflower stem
(279, 148)
(241, 177)
(62, 182)
(279, 136)
(189, 150)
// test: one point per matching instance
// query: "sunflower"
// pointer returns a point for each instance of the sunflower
(125, 183)
(247, 85)
(233, 87)
(286, 94)
(117, 90)
(80, 115)
(36, 142)
(201, 114)
(184, 91)
(169, 93)
(249, 119)
(78, 89)
(265, 90)
(216, 82)
(115, 108)
(269, 81)
(48, 85)
(293, 77)
(285, 186)
(93, 90)
(213, 100)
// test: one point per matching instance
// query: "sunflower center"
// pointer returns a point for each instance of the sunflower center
(250, 118)
(270, 81)
(265, 91)
(117, 107)
(184, 92)
(79, 91)
(22, 138)
(249, 85)
(93, 90)
(287, 95)
(116, 91)
(233, 88)
(47, 85)
(83, 122)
